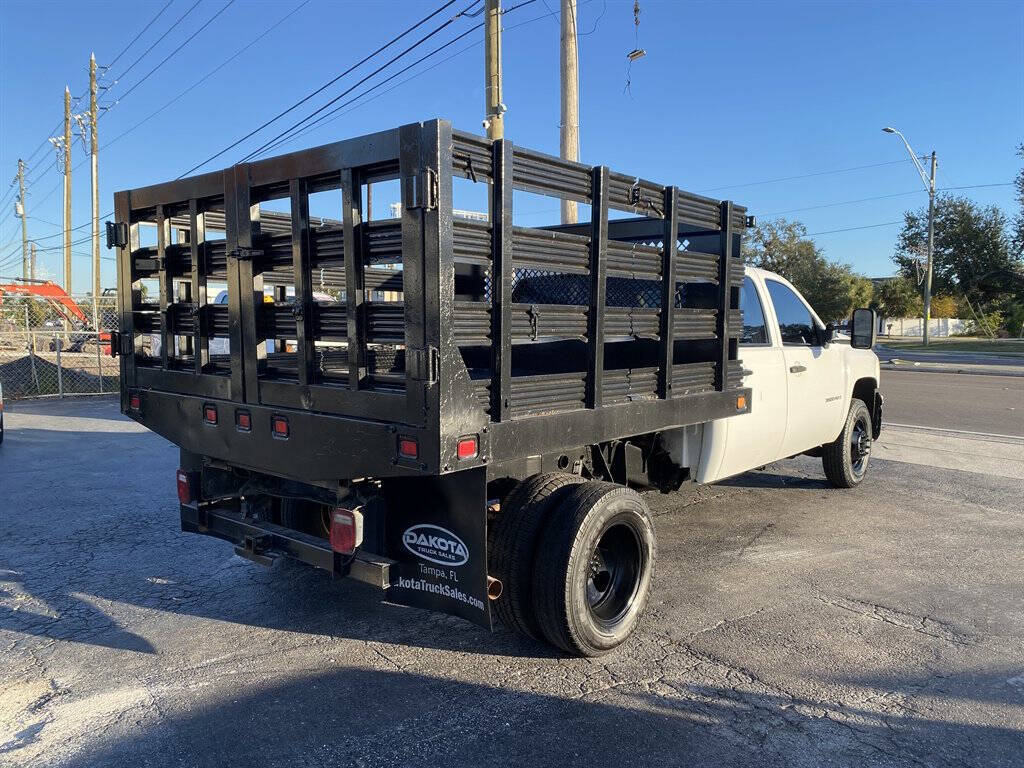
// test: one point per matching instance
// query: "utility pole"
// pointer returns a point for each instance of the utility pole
(24, 224)
(570, 125)
(94, 152)
(929, 184)
(67, 189)
(32, 263)
(931, 248)
(494, 121)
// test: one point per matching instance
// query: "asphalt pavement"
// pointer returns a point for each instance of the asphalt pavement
(790, 625)
(959, 401)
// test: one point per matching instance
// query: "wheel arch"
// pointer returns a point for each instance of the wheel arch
(865, 389)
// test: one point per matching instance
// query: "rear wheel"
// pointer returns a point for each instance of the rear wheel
(845, 460)
(513, 542)
(593, 569)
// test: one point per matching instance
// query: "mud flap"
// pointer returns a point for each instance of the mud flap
(437, 534)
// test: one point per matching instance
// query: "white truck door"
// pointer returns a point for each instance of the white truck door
(814, 373)
(740, 443)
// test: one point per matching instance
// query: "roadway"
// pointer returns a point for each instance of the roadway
(972, 403)
(790, 624)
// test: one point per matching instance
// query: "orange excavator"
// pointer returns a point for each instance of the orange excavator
(62, 304)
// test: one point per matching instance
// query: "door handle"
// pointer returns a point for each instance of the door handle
(797, 368)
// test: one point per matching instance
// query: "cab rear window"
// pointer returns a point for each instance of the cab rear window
(754, 330)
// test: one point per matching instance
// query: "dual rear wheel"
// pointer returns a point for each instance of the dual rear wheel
(576, 559)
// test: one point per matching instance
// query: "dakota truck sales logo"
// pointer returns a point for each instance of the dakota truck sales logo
(436, 544)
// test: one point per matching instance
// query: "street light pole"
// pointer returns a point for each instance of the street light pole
(929, 183)
(931, 249)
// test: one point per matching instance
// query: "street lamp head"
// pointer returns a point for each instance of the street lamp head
(889, 130)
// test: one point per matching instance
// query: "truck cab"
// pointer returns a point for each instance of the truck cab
(803, 379)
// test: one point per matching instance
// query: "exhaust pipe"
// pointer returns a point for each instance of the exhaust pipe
(493, 588)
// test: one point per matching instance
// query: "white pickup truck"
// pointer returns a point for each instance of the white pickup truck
(813, 393)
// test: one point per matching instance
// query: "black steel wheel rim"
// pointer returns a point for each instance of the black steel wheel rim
(614, 573)
(860, 445)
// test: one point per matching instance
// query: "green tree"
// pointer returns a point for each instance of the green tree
(943, 306)
(898, 297)
(972, 249)
(782, 246)
(862, 292)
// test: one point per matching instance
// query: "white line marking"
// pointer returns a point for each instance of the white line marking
(951, 431)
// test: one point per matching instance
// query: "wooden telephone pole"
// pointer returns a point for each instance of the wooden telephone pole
(94, 152)
(32, 263)
(494, 121)
(570, 124)
(67, 189)
(24, 215)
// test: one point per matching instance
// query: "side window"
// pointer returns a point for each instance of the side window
(754, 329)
(795, 321)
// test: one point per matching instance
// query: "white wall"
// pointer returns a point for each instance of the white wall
(913, 326)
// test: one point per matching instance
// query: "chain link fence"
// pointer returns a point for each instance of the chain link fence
(47, 350)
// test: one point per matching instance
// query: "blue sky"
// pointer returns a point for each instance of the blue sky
(729, 93)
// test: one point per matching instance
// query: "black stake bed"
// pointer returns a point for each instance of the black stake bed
(331, 346)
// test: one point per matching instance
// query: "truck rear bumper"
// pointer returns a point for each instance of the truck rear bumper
(261, 542)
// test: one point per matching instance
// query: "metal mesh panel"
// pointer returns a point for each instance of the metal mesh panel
(41, 354)
(536, 286)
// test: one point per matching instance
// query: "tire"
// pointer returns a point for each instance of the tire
(845, 460)
(512, 545)
(588, 602)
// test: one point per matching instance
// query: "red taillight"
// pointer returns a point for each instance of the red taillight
(243, 420)
(346, 530)
(279, 427)
(184, 487)
(134, 401)
(467, 447)
(210, 414)
(408, 448)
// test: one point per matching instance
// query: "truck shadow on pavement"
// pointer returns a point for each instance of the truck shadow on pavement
(345, 716)
(87, 554)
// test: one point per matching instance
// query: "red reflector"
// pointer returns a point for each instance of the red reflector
(346, 530)
(279, 426)
(408, 448)
(467, 447)
(243, 421)
(134, 402)
(210, 414)
(184, 487)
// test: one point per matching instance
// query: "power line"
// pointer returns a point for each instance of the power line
(284, 136)
(978, 186)
(851, 229)
(169, 56)
(318, 90)
(882, 197)
(152, 46)
(209, 74)
(141, 33)
(844, 202)
(805, 175)
(61, 233)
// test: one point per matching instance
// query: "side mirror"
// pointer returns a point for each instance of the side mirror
(863, 328)
(825, 335)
